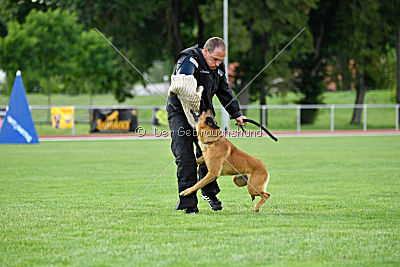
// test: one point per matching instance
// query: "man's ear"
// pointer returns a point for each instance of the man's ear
(211, 123)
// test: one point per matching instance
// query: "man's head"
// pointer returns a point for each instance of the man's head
(214, 52)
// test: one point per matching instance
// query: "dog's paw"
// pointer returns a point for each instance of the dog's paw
(186, 192)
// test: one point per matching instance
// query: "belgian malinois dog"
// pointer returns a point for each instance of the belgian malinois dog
(223, 158)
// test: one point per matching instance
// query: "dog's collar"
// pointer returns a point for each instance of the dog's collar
(209, 143)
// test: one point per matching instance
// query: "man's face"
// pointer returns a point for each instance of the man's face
(215, 58)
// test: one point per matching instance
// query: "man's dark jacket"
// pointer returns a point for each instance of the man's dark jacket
(213, 81)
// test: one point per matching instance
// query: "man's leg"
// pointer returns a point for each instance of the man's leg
(182, 148)
(209, 192)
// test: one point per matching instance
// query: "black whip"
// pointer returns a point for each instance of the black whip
(259, 125)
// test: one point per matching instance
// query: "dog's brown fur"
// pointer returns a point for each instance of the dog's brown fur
(218, 151)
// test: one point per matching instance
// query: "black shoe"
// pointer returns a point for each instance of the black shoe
(194, 210)
(213, 201)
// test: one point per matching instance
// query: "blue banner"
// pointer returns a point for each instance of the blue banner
(18, 127)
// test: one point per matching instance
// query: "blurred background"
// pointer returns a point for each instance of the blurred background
(349, 53)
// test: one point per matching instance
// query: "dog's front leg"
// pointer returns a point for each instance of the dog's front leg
(214, 165)
(206, 180)
(200, 160)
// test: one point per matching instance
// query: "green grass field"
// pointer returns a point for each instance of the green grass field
(341, 193)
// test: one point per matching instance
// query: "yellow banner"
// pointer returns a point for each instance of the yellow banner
(62, 117)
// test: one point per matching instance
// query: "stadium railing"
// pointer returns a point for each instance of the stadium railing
(386, 116)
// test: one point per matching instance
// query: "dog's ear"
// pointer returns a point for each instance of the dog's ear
(195, 115)
(211, 123)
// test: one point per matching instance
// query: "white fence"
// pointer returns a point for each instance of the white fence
(147, 114)
(332, 109)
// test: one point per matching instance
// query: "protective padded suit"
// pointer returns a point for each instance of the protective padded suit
(184, 137)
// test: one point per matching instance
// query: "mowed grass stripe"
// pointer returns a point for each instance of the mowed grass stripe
(342, 193)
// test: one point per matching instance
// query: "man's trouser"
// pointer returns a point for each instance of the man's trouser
(183, 137)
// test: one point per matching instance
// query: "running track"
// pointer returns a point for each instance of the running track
(135, 136)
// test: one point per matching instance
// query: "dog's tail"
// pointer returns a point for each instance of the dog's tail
(262, 127)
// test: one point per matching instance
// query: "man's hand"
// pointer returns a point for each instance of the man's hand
(239, 120)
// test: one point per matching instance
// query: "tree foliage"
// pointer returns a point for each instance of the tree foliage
(55, 54)
(53, 42)
(138, 31)
(364, 44)
(258, 31)
(311, 65)
(96, 64)
(42, 48)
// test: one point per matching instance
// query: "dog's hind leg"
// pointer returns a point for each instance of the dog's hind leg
(264, 196)
(257, 186)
